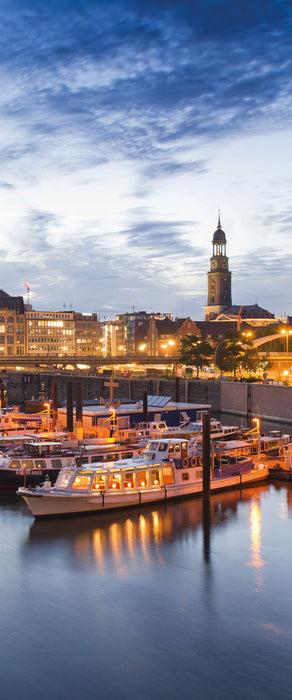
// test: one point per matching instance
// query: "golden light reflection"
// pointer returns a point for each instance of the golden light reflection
(115, 536)
(144, 537)
(156, 526)
(130, 537)
(255, 531)
(98, 546)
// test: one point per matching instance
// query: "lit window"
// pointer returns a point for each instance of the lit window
(99, 482)
(81, 481)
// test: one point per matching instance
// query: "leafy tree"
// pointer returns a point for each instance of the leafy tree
(235, 351)
(228, 355)
(250, 360)
(196, 352)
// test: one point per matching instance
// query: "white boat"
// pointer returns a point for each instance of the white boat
(31, 462)
(168, 468)
(273, 442)
(158, 429)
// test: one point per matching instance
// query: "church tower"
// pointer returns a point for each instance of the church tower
(219, 277)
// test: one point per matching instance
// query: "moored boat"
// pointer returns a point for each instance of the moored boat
(272, 443)
(168, 468)
(31, 462)
(281, 468)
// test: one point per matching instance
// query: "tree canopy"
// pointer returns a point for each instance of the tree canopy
(196, 352)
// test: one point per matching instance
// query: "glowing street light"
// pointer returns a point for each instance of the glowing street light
(257, 421)
(286, 334)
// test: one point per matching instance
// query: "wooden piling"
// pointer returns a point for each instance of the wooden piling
(54, 404)
(206, 455)
(70, 407)
(79, 403)
(145, 407)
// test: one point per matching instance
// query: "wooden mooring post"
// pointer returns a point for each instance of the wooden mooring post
(206, 486)
(206, 455)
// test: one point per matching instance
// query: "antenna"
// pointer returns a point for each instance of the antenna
(27, 285)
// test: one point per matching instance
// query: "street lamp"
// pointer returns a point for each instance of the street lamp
(257, 421)
(286, 334)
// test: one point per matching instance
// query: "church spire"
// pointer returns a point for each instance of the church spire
(219, 222)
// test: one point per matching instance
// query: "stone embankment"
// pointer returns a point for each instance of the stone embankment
(269, 402)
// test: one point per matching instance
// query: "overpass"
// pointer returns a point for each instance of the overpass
(75, 363)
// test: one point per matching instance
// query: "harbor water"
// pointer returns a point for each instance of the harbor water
(178, 600)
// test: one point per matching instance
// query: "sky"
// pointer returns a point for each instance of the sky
(125, 126)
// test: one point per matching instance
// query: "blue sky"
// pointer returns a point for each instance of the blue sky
(125, 126)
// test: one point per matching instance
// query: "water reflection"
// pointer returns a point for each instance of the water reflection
(255, 532)
(124, 538)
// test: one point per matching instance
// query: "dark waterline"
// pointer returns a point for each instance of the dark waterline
(171, 601)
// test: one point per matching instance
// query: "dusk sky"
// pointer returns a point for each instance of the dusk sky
(125, 126)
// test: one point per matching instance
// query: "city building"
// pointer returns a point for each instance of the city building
(87, 334)
(12, 325)
(62, 333)
(50, 333)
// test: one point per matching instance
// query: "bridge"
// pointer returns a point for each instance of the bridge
(90, 364)
(75, 363)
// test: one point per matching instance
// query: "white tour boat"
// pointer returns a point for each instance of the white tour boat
(158, 429)
(168, 468)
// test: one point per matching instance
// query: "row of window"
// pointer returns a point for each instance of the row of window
(143, 478)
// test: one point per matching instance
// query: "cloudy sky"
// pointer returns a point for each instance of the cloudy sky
(125, 126)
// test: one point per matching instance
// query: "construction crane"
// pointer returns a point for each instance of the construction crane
(27, 285)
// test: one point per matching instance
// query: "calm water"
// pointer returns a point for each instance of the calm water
(170, 601)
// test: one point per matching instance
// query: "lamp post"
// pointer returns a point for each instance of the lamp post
(257, 421)
(286, 334)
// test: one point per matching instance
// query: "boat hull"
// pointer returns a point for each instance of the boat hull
(56, 504)
(10, 479)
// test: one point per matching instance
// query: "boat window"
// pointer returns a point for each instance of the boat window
(56, 463)
(82, 481)
(99, 482)
(155, 477)
(115, 481)
(152, 445)
(127, 454)
(40, 463)
(28, 464)
(177, 448)
(112, 457)
(15, 464)
(142, 478)
(129, 480)
(171, 448)
(185, 476)
(168, 475)
(63, 480)
(162, 447)
(84, 460)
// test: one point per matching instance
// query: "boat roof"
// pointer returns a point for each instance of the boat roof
(138, 407)
(231, 444)
(43, 443)
(168, 439)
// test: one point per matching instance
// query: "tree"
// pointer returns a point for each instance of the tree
(228, 355)
(233, 352)
(196, 352)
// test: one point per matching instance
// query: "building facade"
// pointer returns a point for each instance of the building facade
(12, 325)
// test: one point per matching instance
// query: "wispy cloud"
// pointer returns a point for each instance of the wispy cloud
(153, 87)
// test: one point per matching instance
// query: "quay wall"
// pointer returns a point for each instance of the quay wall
(239, 398)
